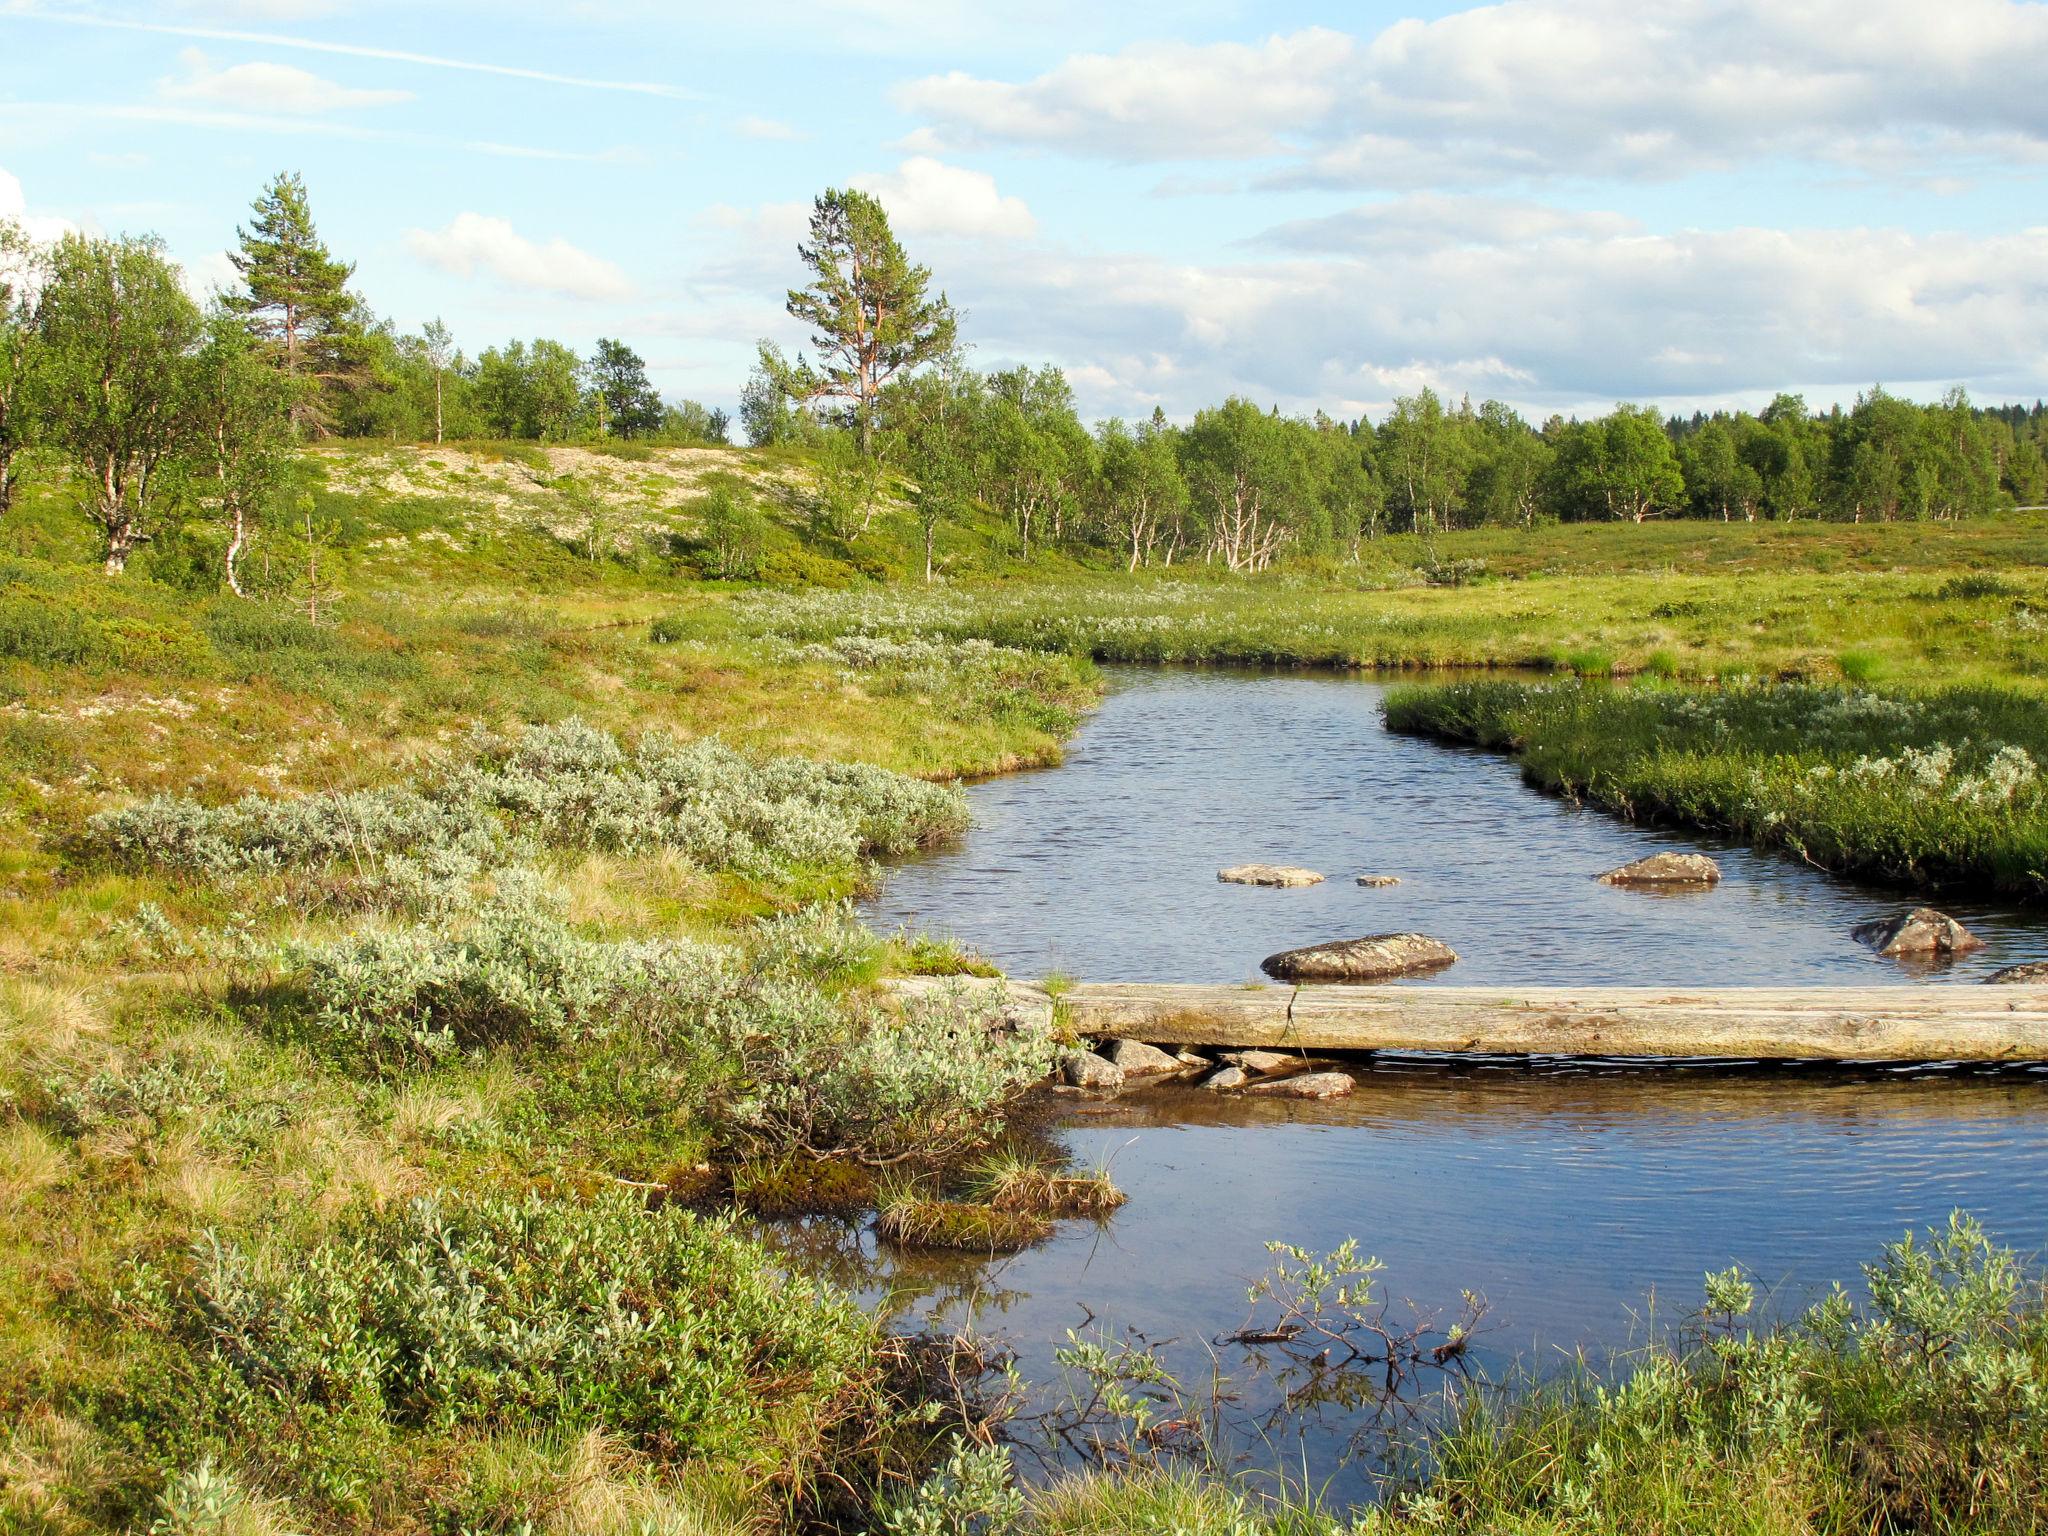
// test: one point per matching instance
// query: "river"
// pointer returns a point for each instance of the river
(1584, 1199)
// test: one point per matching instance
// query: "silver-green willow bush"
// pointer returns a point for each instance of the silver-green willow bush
(566, 786)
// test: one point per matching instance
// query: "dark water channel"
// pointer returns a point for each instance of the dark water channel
(1580, 1198)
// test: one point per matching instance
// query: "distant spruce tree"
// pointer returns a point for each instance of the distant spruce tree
(296, 298)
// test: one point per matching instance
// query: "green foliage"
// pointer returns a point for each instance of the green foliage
(114, 396)
(295, 297)
(464, 1312)
(1907, 788)
(511, 973)
(735, 533)
(867, 305)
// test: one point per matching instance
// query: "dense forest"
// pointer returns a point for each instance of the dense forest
(159, 407)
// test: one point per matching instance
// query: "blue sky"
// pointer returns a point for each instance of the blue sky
(1557, 202)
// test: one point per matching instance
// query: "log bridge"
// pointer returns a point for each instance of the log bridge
(1956, 1022)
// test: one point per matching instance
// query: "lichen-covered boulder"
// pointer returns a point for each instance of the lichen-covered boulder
(1666, 869)
(1268, 874)
(1368, 959)
(1922, 932)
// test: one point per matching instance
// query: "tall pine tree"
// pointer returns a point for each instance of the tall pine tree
(867, 305)
(296, 298)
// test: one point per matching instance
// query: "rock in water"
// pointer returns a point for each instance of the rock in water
(1085, 1069)
(1366, 959)
(1227, 1079)
(1922, 931)
(2033, 971)
(1379, 882)
(1260, 1062)
(1666, 869)
(1310, 1085)
(1268, 874)
(1134, 1058)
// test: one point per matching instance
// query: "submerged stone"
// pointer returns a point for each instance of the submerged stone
(1366, 959)
(2012, 975)
(1922, 931)
(1310, 1085)
(1666, 869)
(1269, 874)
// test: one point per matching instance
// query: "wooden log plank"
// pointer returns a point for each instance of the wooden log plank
(1950, 1023)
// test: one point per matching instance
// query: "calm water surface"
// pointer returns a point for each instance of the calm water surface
(1105, 868)
(1580, 1198)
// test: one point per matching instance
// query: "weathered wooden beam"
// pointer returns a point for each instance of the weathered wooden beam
(1904, 1023)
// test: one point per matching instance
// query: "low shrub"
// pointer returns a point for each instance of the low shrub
(931, 1081)
(561, 786)
(514, 973)
(487, 1314)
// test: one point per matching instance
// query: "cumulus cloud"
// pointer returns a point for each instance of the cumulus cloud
(1544, 88)
(267, 87)
(1427, 221)
(1153, 101)
(473, 242)
(39, 227)
(925, 196)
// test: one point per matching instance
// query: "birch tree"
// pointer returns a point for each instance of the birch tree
(117, 332)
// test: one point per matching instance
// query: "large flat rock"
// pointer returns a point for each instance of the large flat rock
(1371, 958)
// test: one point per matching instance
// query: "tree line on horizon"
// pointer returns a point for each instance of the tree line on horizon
(152, 399)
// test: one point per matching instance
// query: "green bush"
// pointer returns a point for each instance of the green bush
(513, 973)
(481, 1313)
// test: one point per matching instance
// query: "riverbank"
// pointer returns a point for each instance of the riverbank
(1940, 787)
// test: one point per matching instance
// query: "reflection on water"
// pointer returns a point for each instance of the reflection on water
(1583, 1201)
(1105, 868)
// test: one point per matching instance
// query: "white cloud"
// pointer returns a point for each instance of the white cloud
(267, 87)
(1153, 101)
(928, 197)
(473, 242)
(1546, 88)
(39, 227)
(1425, 221)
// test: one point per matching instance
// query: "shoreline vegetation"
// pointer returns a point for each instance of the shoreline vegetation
(424, 867)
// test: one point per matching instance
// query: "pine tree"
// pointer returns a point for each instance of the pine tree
(297, 297)
(868, 306)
